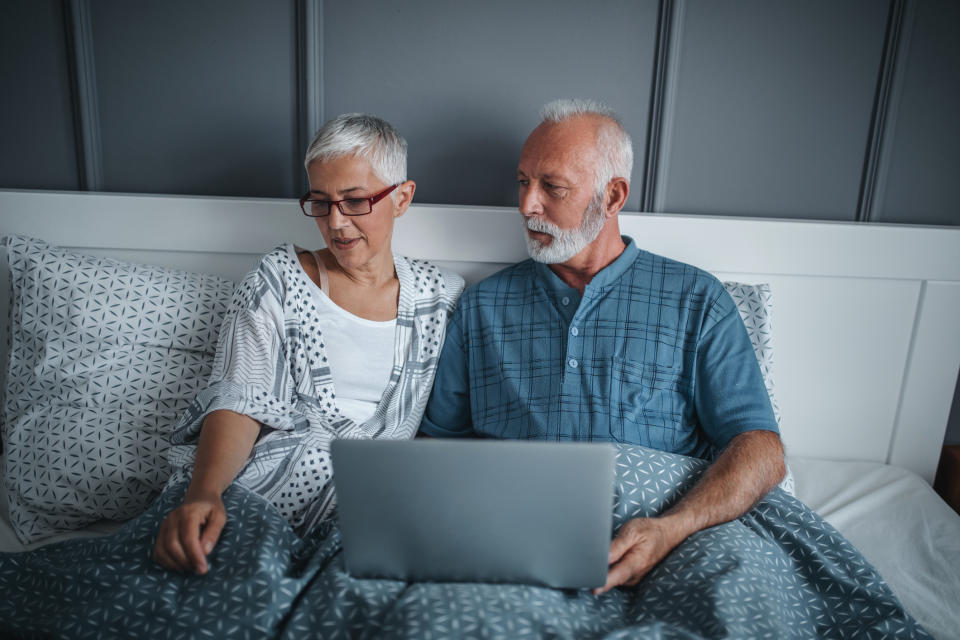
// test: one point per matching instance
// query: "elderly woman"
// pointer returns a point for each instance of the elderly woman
(316, 345)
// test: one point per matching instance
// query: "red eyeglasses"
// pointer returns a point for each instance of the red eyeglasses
(347, 206)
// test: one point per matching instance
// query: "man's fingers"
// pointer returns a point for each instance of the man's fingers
(622, 543)
(211, 532)
(628, 572)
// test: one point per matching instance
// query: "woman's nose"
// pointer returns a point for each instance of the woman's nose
(336, 219)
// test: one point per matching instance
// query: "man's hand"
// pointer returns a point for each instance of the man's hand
(189, 533)
(744, 472)
(639, 546)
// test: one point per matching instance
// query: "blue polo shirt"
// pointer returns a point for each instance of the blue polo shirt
(653, 353)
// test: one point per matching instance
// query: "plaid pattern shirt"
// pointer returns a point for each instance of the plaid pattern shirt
(653, 353)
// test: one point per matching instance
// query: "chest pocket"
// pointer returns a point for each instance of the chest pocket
(645, 404)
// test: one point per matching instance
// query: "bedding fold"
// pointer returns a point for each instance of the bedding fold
(779, 571)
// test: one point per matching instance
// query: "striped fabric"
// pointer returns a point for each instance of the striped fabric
(271, 365)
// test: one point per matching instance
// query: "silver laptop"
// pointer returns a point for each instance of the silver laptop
(476, 510)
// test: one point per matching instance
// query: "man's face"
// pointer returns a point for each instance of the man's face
(556, 181)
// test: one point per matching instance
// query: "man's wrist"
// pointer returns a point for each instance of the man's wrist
(677, 526)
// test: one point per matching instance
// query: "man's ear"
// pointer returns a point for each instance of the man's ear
(404, 197)
(616, 197)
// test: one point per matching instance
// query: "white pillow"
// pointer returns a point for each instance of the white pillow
(104, 356)
(756, 308)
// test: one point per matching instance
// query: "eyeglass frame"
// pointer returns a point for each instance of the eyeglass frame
(374, 199)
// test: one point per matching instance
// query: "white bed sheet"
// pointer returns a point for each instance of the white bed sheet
(900, 525)
(891, 515)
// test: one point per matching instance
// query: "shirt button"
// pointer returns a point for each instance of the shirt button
(565, 301)
(574, 331)
(573, 363)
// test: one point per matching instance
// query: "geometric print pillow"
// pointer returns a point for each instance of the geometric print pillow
(754, 304)
(103, 358)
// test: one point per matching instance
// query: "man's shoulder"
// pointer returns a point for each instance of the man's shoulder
(652, 267)
(510, 279)
(674, 283)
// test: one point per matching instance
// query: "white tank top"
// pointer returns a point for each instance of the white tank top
(360, 354)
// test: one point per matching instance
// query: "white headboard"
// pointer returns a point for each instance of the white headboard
(865, 333)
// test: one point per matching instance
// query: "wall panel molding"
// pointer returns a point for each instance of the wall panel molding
(889, 88)
(664, 92)
(79, 33)
(309, 26)
(659, 86)
(884, 154)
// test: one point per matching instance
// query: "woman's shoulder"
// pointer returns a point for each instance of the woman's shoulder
(280, 263)
(430, 280)
(281, 258)
(271, 277)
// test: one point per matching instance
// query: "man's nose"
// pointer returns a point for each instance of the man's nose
(530, 204)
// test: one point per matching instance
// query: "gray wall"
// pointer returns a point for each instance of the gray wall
(800, 108)
(771, 109)
(37, 139)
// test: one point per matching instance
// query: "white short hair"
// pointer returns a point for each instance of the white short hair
(364, 136)
(615, 145)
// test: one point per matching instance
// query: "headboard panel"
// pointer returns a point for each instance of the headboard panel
(865, 338)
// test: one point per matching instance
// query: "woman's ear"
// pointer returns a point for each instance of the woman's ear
(404, 197)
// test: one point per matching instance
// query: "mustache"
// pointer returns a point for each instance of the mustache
(541, 226)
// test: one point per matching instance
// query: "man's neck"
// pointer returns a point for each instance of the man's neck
(578, 271)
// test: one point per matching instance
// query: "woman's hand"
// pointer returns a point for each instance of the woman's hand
(189, 532)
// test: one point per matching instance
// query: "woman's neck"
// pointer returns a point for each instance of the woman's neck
(371, 292)
(372, 276)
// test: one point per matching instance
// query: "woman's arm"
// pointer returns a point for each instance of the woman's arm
(190, 531)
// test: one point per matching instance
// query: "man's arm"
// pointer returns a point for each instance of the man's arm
(750, 466)
(447, 413)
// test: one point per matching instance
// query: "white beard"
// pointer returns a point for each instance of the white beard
(566, 242)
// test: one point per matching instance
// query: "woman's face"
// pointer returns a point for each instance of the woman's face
(357, 242)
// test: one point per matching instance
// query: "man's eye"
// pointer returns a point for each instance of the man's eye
(523, 183)
(553, 187)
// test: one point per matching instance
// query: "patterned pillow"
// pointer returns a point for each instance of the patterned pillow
(754, 304)
(104, 356)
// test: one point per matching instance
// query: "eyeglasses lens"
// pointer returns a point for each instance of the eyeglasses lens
(356, 206)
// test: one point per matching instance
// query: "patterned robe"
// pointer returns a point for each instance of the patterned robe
(271, 365)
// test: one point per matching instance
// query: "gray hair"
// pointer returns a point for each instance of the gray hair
(364, 136)
(616, 148)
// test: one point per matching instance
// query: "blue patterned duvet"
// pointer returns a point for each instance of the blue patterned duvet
(780, 571)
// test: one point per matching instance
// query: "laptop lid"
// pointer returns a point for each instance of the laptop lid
(476, 510)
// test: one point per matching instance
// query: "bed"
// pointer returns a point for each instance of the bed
(866, 350)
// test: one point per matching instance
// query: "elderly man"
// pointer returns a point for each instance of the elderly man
(595, 339)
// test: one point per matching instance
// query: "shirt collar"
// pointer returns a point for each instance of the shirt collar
(605, 277)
